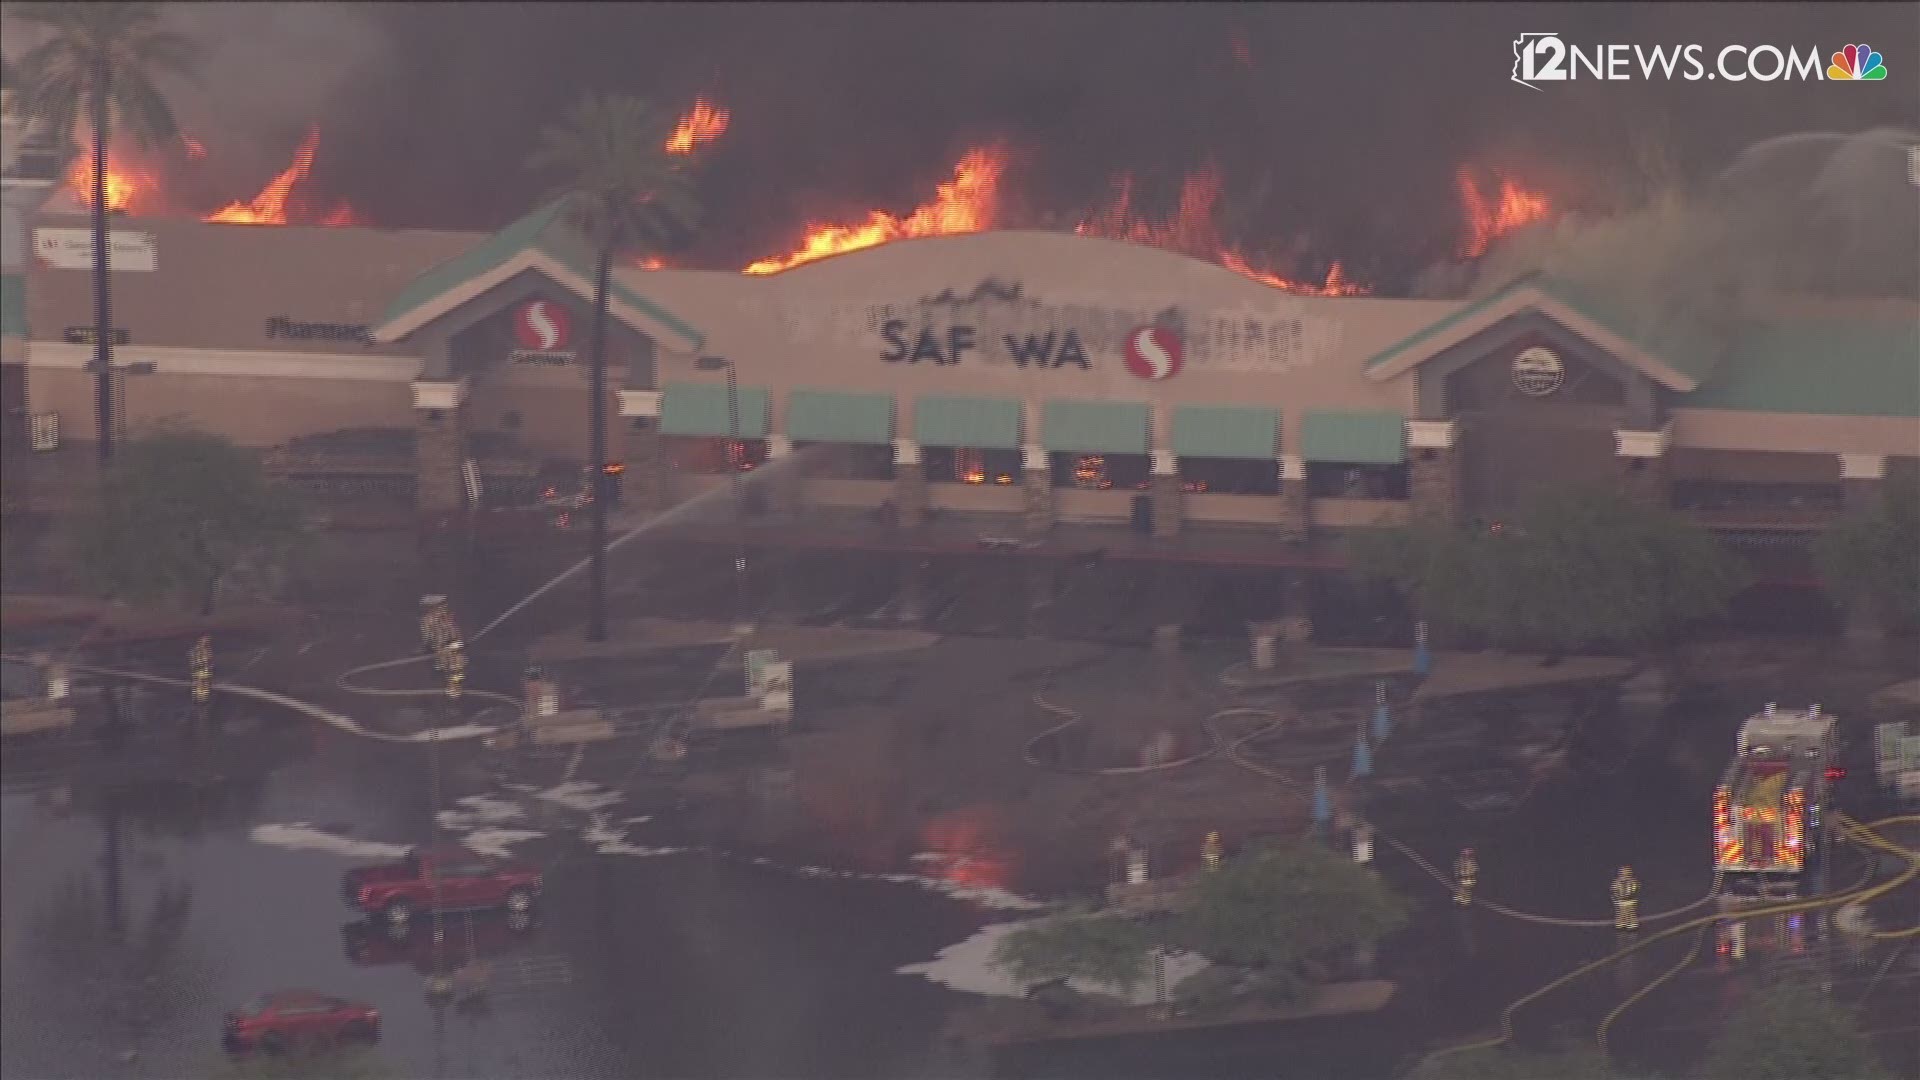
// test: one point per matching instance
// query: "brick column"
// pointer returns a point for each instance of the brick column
(1862, 486)
(1862, 480)
(1036, 478)
(440, 445)
(1164, 489)
(645, 485)
(1294, 507)
(1643, 465)
(782, 479)
(1433, 469)
(909, 483)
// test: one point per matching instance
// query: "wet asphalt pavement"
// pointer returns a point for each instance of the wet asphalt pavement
(691, 966)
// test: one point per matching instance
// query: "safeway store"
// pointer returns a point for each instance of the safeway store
(1081, 392)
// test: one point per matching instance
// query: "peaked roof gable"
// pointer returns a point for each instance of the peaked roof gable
(1534, 292)
(540, 242)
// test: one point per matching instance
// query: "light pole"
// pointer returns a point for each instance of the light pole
(717, 363)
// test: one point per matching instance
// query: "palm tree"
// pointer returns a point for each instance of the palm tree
(622, 189)
(99, 63)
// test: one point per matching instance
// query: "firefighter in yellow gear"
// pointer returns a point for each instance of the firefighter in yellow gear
(456, 669)
(1466, 871)
(1210, 851)
(200, 666)
(1626, 900)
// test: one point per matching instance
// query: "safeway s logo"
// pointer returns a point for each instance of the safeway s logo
(1154, 353)
(542, 326)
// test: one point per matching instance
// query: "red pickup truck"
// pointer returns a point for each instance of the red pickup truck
(442, 879)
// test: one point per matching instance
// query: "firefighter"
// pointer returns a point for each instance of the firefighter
(1210, 851)
(456, 669)
(200, 665)
(1466, 871)
(1626, 900)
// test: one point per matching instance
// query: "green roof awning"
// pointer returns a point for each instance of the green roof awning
(701, 409)
(13, 305)
(1095, 427)
(545, 231)
(830, 416)
(1864, 366)
(1354, 438)
(1226, 431)
(971, 423)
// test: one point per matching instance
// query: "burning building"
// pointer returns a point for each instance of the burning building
(1136, 386)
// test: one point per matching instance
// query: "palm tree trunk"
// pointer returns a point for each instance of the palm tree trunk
(102, 311)
(597, 435)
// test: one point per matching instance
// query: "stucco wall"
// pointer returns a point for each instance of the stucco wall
(810, 327)
(251, 410)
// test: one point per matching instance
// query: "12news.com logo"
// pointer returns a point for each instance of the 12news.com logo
(1547, 57)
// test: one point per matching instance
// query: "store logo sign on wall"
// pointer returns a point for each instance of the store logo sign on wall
(281, 327)
(1155, 353)
(1538, 371)
(72, 249)
(544, 331)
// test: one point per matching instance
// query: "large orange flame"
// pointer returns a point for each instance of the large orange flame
(131, 187)
(1488, 219)
(270, 207)
(1193, 233)
(705, 123)
(967, 204)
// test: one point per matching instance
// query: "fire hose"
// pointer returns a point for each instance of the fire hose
(1233, 753)
(1850, 829)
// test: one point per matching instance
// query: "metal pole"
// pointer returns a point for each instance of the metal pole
(103, 241)
(734, 484)
(597, 449)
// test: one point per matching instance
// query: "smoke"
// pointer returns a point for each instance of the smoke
(267, 73)
(1823, 214)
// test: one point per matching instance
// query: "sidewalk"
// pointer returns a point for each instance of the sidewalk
(798, 644)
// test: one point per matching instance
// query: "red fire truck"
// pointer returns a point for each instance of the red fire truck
(1768, 809)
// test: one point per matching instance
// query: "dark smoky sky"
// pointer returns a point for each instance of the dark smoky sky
(1341, 136)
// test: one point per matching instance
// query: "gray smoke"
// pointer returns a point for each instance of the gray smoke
(1822, 214)
(268, 71)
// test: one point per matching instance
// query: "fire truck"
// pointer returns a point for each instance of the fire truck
(1768, 808)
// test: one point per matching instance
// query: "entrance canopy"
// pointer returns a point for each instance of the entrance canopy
(1684, 357)
(541, 242)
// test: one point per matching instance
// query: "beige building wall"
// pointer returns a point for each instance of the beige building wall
(810, 327)
(252, 410)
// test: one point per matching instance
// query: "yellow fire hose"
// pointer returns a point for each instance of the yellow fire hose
(1850, 829)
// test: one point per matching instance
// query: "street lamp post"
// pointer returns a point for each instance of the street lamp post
(734, 482)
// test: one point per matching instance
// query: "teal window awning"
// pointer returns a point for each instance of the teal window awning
(830, 416)
(1226, 431)
(701, 409)
(971, 423)
(1354, 438)
(1095, 427)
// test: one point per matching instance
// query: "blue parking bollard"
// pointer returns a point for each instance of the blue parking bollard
(1322, 802)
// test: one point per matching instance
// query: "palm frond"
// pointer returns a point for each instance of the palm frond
(616, 179)
(128, 40)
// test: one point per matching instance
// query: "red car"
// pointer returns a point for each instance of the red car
(288, 1018)
(443, 879)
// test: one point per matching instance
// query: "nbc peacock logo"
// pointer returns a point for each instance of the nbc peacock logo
(1856, 63)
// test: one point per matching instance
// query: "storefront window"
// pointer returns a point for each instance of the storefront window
(963, 466)
(715, 456)
(1229, 476)
(1339, 480)
(845, 461)
(1100, 472)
